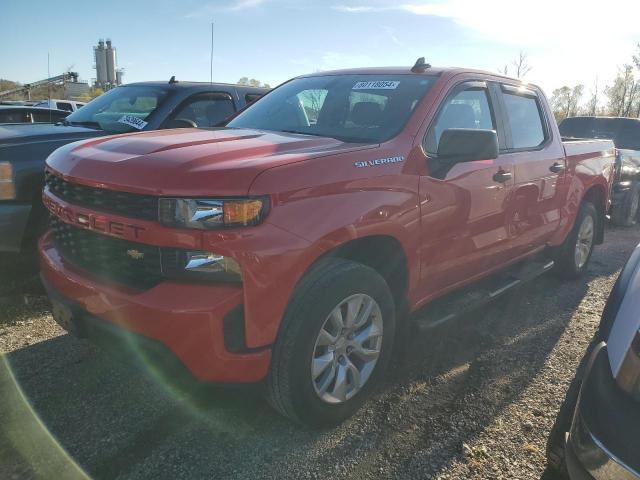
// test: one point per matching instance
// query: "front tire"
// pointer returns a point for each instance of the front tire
(334, 344)
(572, 257)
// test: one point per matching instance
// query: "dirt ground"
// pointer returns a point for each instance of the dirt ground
(474, 400)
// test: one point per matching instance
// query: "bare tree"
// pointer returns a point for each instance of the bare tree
(504, 70)
(521, 65)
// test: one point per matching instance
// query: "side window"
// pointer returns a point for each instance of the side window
(468, 108)
(65, 106)
(206, 110)
(252, 97)
(525, 120)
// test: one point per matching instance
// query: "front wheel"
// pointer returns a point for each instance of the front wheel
(573, 256)
(334, 344)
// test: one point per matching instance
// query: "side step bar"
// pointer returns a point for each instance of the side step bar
(461, 302)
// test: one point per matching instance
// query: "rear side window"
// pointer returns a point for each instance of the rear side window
(468, 108)
(206, 110)
(65, 106)
(525, 121)
(252, 97)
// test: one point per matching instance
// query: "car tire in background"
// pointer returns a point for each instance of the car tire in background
(572, 257)
(626, 213)
(334, 344)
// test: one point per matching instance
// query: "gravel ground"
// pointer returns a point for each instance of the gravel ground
(474, 400)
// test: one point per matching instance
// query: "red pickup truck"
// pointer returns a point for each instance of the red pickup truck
(290, 246)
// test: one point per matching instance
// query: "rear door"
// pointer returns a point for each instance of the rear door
(539, 168)
(464, 222)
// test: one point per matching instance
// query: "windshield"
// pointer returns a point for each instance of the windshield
(624, 132)
(351, 108)
(121, 110)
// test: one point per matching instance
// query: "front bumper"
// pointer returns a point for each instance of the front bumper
(13, 221)
(602, 444)
(185, 320)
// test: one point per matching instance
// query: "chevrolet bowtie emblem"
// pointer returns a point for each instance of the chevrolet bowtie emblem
(135, 254)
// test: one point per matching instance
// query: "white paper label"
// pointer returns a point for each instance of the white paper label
(133, 121)
(377, 85)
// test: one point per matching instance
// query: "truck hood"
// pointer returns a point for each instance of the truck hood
(188, 162)
(38, 132)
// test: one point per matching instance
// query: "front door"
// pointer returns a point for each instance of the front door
(464, 215)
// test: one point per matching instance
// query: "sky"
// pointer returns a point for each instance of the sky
(567, 41)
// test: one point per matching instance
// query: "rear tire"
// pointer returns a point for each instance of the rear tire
(626, 213)
(295, 389)
(572, 257)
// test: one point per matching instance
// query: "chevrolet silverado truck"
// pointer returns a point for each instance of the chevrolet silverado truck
(290, 246)
(625, 133)
(128, 108)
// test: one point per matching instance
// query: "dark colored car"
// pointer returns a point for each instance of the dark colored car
(128, 108)
(24, 114)
(625, 133)
(595, 436)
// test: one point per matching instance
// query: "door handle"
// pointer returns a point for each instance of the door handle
(502, 176)
(557, 167)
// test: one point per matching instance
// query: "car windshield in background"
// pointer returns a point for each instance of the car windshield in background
(624, 132)
(351, 108)
(121, 110)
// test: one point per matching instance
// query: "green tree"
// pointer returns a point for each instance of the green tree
(566, 100)
(252, 82)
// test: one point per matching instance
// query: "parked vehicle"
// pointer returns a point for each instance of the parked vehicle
(21, 114)
(129, 108)
(596, 433)
(625, 133)
(288, 246)
(68, 105)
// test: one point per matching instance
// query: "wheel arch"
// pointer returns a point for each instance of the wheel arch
(596, 194)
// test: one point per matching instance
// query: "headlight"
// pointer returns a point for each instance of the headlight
(208, 214)
(200, 265)
(7, 187)
(629, 375)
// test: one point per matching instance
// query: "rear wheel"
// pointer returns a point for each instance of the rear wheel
(573, 256)
(334, 344)
(626, 213)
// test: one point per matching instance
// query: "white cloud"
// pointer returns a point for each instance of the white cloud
(217, 7)
(569, 41)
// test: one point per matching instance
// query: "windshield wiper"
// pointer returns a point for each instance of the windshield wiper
(335, 137)
(94, 125)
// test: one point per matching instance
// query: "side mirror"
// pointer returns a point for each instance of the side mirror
(467, 144)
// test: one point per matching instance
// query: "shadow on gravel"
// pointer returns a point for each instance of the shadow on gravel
(117, 421)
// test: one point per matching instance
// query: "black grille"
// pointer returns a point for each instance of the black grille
(131, 205)
(128, 263)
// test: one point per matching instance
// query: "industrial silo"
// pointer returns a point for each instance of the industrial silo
(110, 54)
(101, 64)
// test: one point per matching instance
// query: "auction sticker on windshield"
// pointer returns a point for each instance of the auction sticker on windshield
(133, 121)
(377, 85)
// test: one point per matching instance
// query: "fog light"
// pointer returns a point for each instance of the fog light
(7, 187)
(217, 267)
